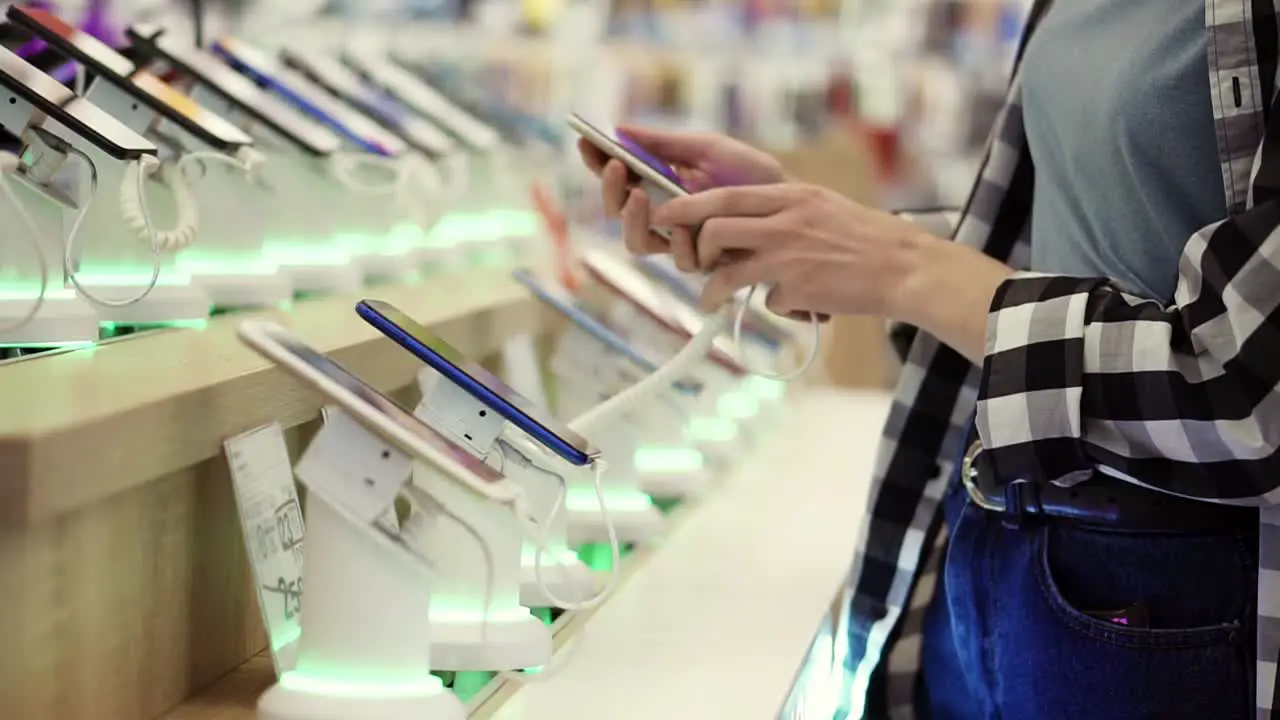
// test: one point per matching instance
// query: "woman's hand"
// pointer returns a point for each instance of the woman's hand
(703, 160)
(821, 252)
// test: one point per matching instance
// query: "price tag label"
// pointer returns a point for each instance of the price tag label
(271, 518)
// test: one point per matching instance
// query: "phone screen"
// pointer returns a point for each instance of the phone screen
(339, 80)
(79, 115)
(633, 148)
(159, 95)
(480, 383)
(303, 94)
(383, 405)
(212, 72)
(648, 158)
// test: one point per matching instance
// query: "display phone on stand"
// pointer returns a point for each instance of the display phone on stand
(656, 178)
(482, 385)
(411, 91)
(149, 42)
(619, 275)
(269, 73)
(563, 302)
(104, 61)
(346, 85)
(470, 102)
(373, 410)
(75, 113)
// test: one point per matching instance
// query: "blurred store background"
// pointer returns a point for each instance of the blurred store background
(888, 101)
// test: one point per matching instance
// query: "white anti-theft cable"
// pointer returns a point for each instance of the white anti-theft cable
(9, 164)
(811, 353)
(137, 215)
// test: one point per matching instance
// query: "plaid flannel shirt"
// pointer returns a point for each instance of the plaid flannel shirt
(1078, 375)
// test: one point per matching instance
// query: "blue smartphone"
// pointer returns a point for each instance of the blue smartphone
(560, 300)
(269, 73)
(478, 382)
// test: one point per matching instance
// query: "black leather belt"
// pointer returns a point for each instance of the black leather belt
(1100, 500)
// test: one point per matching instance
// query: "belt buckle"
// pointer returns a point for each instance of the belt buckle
(969, 476)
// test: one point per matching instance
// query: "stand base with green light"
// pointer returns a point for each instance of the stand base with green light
(323, 279)
(63, 319)
(365, 650)
(166, 304)
(244, 290)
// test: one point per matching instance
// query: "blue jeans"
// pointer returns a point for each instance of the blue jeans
(1012, 631)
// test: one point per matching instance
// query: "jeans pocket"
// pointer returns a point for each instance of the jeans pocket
(1051, 658)
(1195, 590)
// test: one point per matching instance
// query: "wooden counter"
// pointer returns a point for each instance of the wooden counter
(125, 585)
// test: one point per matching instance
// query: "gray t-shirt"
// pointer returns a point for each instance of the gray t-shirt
(1120, 126)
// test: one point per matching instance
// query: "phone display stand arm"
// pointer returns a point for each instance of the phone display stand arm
(9, 164)
(365, 649)
(675, 369)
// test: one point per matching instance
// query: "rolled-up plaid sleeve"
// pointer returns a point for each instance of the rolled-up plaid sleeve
(1079, 375)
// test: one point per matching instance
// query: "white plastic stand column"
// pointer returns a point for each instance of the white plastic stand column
(111, 250)
(562, 572)
(365, 651)
(64, 317)
(229, 261)
(467, 634)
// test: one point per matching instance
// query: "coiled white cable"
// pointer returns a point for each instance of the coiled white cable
(133, 201)
(811, 355)
(9, 164)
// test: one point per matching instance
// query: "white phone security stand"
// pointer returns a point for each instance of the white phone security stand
(115, 262)
(562, 572)
(64, 316)
(588, 373)
(365, 652)
(467, 634)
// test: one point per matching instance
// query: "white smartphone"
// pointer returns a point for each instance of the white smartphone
(656, 178)
(619, 275)
(376, 412)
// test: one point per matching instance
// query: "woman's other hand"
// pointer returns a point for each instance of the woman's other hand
(703, 160)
